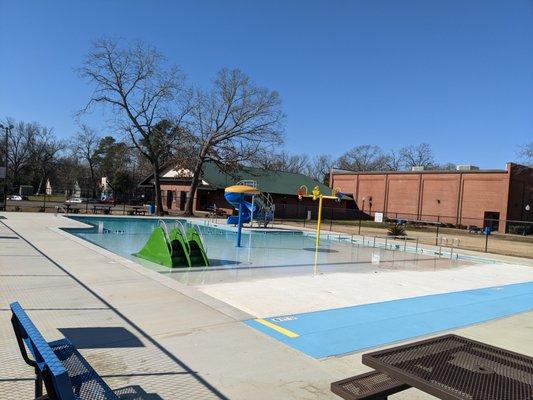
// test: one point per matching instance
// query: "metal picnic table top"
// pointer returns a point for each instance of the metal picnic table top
(453, 367)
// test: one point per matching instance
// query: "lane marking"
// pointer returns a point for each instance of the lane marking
(277, 328)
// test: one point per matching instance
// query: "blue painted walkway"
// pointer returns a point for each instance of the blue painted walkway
(331, 332)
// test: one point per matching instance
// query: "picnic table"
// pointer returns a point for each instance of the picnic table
(214, 212)
(70, 208)
(448, 367)
(139, 210)
(102, 209)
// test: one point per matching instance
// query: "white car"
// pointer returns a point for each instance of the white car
(75, 200)
(15, 197)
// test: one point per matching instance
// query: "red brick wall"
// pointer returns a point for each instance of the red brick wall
(440, 197)
(402, 196)
(482, 193)
(176, 189)
(520, 193)
(447, 197)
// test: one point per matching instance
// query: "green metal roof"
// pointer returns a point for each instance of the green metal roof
(277, 182)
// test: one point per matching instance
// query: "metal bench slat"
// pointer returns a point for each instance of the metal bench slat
(371, 385)
(59, 364)
(43, 355)
(86, 383)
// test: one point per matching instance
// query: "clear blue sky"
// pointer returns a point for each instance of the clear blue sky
(457, 74)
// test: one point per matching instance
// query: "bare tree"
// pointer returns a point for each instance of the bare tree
(393, 161)
(420, 155)
(295, 163)
(283, 161)
(45, 154)
(84, 145)
(446, 167)
(21, 143)
(143, 92)
(320, 168)
(233, 123)
(363, 158)
(526, 153)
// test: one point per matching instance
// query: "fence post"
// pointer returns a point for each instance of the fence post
(331, 219)
(437, 237)
(124, 210)
(416, 248)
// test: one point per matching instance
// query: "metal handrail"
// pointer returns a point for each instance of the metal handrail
(444, 243)
(180, 226)
(248, 182)
(204, 243)
(163, 225)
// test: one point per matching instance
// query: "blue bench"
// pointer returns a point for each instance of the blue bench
(59, 365)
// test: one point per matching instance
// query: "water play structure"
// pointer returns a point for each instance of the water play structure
(259, 208)
(177, 247)
(336, 195)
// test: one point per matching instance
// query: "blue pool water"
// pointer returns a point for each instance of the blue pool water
(292, 250)
(337, 331)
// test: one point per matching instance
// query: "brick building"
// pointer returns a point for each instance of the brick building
(462, 197)
(282, 187)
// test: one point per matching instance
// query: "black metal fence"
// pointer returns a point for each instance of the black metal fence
(510, 237)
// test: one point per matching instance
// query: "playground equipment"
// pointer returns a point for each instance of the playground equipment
(260, 209)
(235, 195)
(336, 195)
(176, 247)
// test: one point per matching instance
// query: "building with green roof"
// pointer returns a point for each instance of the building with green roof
(282, 187)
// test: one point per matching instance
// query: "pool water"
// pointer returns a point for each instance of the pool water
(345, 297)
(263, 253)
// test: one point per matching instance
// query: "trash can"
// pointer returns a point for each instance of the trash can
(150, 209)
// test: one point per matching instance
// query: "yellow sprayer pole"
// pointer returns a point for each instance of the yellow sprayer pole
(319, 220)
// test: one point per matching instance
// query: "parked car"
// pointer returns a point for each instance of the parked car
(15, 197)
(78, 200)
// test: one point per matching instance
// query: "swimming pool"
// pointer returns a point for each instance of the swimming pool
(278, 278)
(262, 252)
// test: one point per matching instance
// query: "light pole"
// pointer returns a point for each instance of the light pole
(361, 212)
(528, 209)
(7, 129)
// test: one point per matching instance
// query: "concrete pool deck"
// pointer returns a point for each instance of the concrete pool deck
(180, 342)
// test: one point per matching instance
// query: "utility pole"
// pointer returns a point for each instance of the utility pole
(7, 130)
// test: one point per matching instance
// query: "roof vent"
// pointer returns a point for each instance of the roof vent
(417, 168)
(467, 167)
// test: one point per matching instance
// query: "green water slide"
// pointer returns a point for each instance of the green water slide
(174, 247)
(197, 253)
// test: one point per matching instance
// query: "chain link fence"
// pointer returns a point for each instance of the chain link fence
(490, 235)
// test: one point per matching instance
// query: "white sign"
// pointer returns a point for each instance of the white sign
(378, 217)
(375, 258)
(283, 319)
(2, 172)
